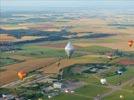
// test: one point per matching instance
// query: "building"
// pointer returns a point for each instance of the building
(57, 85)
(48, 89)
(8, 97)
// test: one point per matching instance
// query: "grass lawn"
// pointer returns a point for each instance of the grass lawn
(97, 49)
(70, 97)
(88, 79)
(129, 86)
(91, 79)
(99, 40)
(116, 96)
(92, 59)
(91, 90)
(6, 60)
(36, 51)
(125, 76)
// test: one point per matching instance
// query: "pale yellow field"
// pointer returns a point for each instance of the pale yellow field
(11, 27)
(30, 37)
(6, 37)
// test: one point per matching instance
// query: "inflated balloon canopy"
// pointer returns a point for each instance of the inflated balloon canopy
(130, 43)
(103, 81)
(69, 49)
(22, 74)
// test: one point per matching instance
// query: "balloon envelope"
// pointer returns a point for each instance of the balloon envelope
(69, 49)
(130, 43)
(121, 96)
(22, 74)
(103, 81)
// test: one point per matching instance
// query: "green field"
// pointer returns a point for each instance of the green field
(97, 49)
(36, 51)
(92, 90)
(6, 60)
(124, 77)
(116, 96)
(92, 87)
(71, 97)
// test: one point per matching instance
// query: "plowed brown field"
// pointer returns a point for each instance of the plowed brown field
(10, 74)
(126, 62)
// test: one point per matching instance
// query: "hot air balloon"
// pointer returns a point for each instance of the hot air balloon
(121, 96)
(130, 43)
(110, 56)
(103, 81)
(69, 49)
(22, 75)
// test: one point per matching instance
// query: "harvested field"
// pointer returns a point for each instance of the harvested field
(126, 62)
(10, 74)
(13, 27)
(29, 37)
(96, 25)
(118, 45)
(6, 38)
(20, 57)
(58, 46)
(9, 38)
(54, 68)
(33, 64)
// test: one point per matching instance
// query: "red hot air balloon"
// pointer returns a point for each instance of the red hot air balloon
(130, 43)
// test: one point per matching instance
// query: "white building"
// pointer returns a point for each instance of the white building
(47, 89)
(8, 97)
(119, 72)
(57, 85)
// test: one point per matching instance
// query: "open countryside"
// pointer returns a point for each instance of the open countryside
(83, 51)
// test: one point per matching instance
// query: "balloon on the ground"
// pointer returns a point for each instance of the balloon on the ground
(103, 81)
(121, 96)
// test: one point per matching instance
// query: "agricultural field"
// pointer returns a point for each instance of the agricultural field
(102, 47)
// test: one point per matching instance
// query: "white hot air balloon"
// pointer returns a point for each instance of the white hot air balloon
(103, 81)
(121, 96)
(69, 49)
